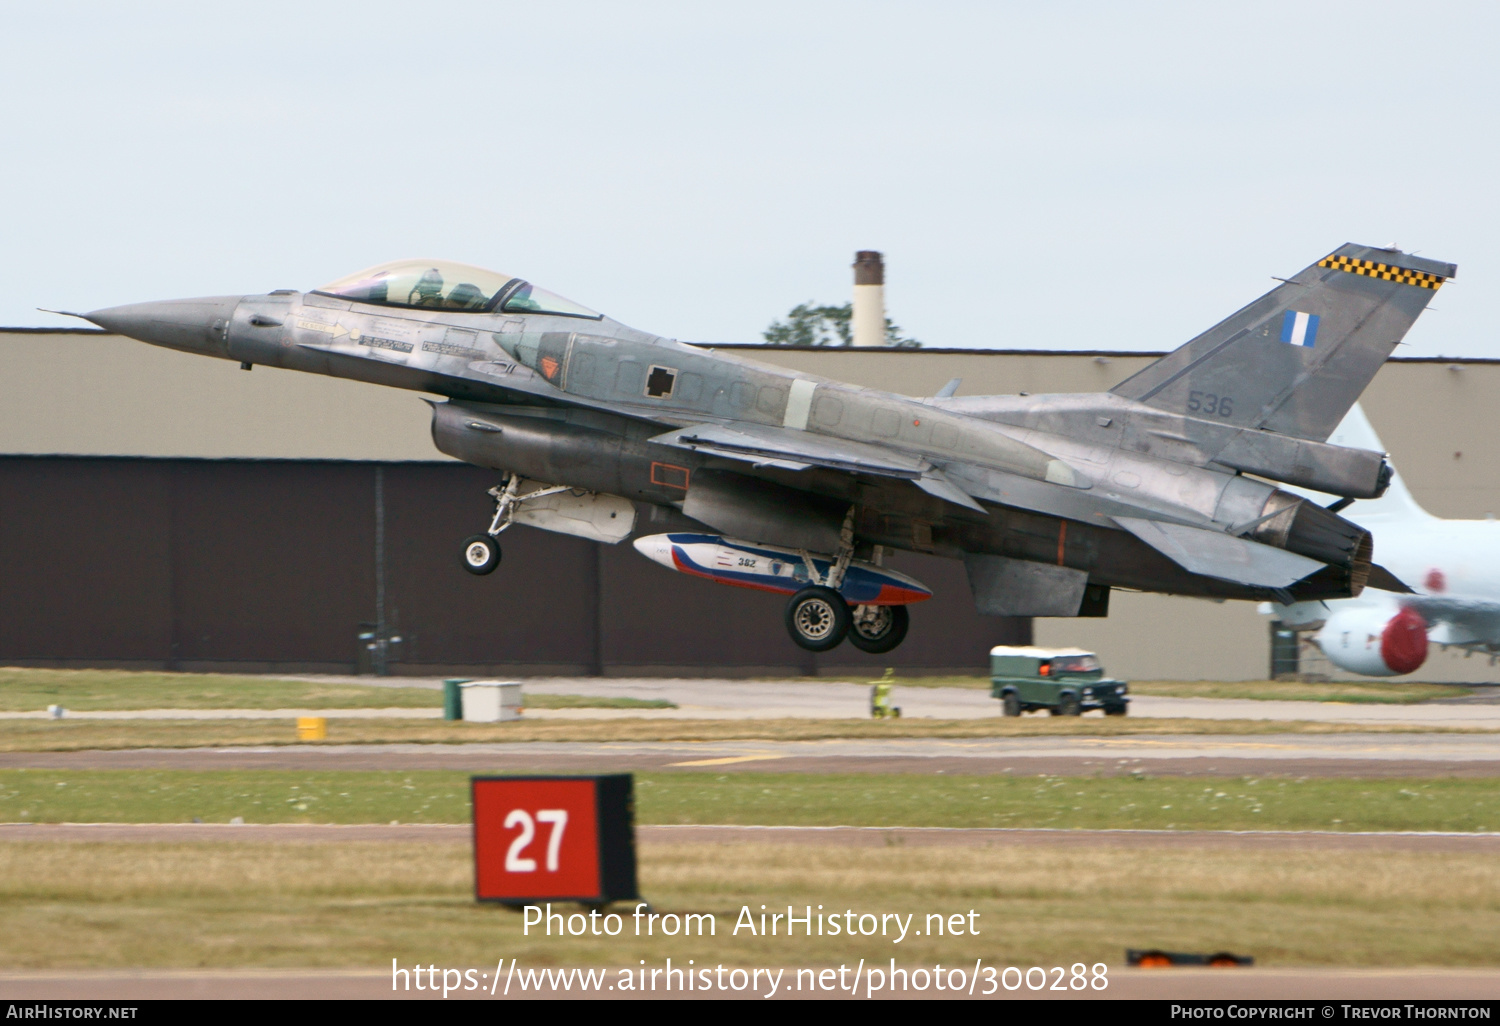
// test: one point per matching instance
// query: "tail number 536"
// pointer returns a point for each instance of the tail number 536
(1211, 404)
(557, 819)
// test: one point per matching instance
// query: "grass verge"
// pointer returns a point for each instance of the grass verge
(797, 799)
(362, 904)
(77, 735)
(24, 690)
(1294, 691)
(28, 690)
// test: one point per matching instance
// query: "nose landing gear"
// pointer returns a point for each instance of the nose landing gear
(481, 553)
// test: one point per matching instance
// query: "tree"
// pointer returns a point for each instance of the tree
(809, 325)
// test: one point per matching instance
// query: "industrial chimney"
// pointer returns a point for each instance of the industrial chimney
(868, 320)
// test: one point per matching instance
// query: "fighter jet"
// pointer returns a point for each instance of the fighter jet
(756, 476)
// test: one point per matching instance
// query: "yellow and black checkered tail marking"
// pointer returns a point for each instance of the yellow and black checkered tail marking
(1386, 272)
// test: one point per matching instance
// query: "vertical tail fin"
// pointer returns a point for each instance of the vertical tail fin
(1295, 360)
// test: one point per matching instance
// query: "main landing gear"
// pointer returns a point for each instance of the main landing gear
(481, 551)
(818, 618)
(877, 629)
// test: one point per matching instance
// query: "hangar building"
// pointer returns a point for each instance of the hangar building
(161, 510)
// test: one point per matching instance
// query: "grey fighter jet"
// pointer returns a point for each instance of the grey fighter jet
(752, 475)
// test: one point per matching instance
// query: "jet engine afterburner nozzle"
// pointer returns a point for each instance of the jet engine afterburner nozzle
(1310, 530)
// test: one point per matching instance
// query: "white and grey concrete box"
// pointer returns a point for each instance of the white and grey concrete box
(489, 701)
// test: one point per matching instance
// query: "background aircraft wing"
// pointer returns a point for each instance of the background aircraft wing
(1470, 619)
(1216, 554)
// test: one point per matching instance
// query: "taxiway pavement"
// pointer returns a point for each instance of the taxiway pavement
(741, 699)
(1325, 755)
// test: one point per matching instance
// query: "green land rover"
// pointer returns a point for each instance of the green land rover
(1064, 681)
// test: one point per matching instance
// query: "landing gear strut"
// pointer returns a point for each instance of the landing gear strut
(481, 551)
(818, 618)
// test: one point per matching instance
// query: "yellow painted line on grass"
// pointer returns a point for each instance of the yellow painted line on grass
(726, 762)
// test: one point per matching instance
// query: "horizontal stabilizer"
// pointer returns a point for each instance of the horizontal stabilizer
(793, 450)
(1383, 579)
(1216, 554)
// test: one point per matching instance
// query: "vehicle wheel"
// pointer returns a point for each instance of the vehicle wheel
(817, 618)
(1010, 704)
(1067, 705)
(1116, 710)
(877, 629)
(481, 554)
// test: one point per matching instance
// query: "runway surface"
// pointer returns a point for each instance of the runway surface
(1327, 755)
(1478, 985)
(830, 836)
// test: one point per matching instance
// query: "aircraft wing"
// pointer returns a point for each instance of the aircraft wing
(1225, 556)
(1471, 619)
(763, 446)
(794, 450)
(1209, 552)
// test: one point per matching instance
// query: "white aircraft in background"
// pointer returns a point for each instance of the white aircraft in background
(1452, 567)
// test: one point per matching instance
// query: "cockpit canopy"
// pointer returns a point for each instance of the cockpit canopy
(446, 285)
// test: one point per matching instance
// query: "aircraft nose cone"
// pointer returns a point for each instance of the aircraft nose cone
(196, 325)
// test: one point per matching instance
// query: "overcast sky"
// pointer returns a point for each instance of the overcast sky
(1065, 175)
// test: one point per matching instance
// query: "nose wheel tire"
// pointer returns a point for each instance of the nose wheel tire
(481, 554)
(877, 629)
(817, 618)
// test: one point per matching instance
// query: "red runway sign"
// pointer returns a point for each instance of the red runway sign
(554, 839)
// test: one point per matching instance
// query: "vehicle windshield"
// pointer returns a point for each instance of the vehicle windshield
(447, 285)
(1075, 664)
